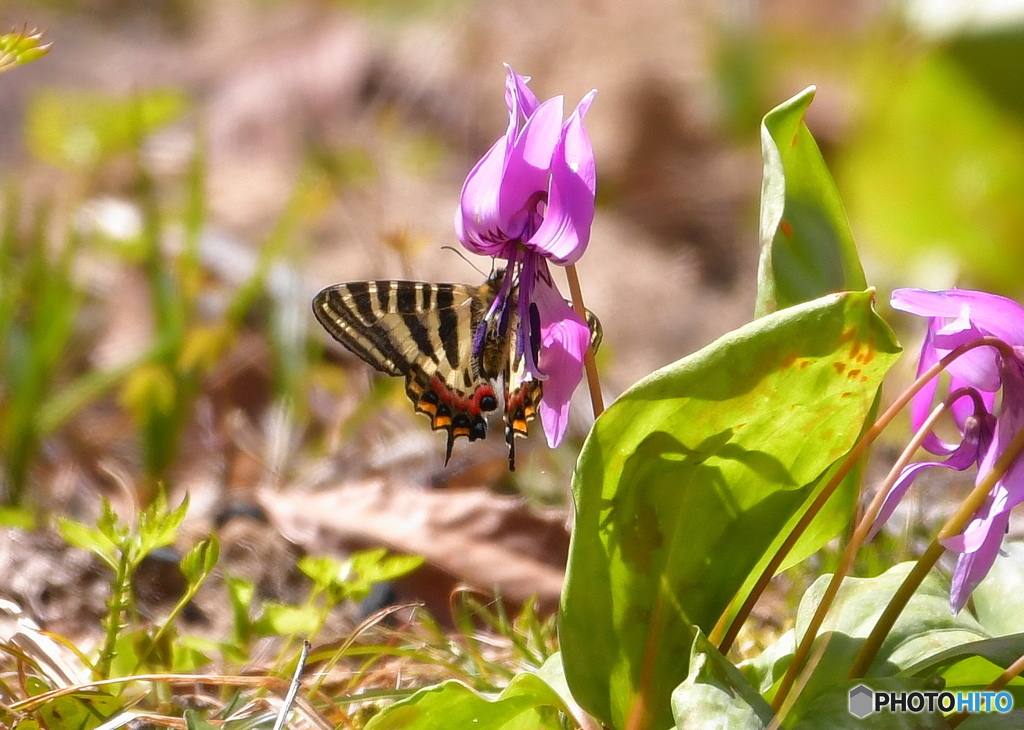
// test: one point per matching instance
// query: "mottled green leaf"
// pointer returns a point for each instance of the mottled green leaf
(807, 250)
(527, 703)
(687, 482)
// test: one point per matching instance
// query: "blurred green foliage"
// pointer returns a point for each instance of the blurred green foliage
(934, 178)
(79, 130)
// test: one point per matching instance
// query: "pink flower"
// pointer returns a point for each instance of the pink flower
(530, 201)
(956, 317)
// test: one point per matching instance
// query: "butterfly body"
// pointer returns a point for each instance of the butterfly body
(441, 338)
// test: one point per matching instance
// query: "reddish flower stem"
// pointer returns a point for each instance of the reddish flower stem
(859, 449)
(593, 381)
(850, 553)
(954, 525)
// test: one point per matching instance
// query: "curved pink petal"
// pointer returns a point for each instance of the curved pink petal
(972, 567)
(524, 184)
(997, 315)
(518, 94)
(563, 235)
(967, 315)
(479, 225)
(564, 339)
(976, 439)
(921, 405)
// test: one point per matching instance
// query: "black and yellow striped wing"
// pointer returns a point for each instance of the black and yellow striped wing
(424, 332)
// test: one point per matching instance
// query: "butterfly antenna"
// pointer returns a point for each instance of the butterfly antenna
(463, 257)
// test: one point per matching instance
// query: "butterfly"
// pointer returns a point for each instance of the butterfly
(431, 334)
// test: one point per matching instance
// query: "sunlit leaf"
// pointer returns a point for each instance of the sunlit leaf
(807, 250)
(686, 483)
(527, 703)
(716, 694)
(925, 628)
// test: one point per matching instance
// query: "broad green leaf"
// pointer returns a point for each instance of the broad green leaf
(527, 703)
(81, 710)
(925, 627)
(716, 694)
(996, 599)
(553, 673)
(1013, 720)
(807, 250)
(973, 664)
(831, 709)
(687, 482)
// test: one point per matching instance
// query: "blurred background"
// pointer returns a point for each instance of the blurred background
(182, 176)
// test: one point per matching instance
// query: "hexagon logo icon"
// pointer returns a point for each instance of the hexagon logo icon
(861, 701)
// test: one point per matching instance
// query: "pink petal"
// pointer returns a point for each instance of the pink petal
(478, 220)
(972, 567)
(964, 455)
(518, 94)
(564, 340)
(997, 315)
(525, 179)
(563, 235)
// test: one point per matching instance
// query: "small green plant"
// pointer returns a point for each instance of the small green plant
(122, 547)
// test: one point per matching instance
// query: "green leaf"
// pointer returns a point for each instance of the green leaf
(925, 628)
(355, 576)
(831, 709)
(996, 599)
(200, 561)
(81, 710)
(157, 527)
(527, 703)
(716, 694)
(95, 541)
(972, 664)
(194, 722)
(807, 250)
(688, 480)
(279, 619)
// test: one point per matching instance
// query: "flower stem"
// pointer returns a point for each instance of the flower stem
(729, 636)
(846, 561)
(998, 683)
(593, 381)
(954, 525)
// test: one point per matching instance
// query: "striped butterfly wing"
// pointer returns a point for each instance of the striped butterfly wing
(424, 332)
(523, 393)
